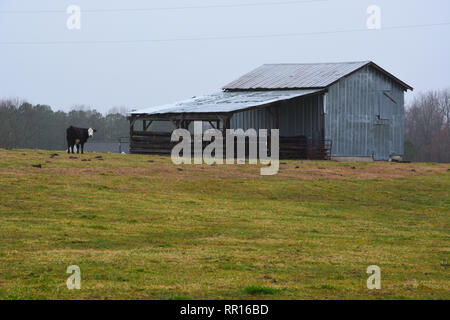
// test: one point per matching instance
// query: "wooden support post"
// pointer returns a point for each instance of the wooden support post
(132, 121)
(277, 118)
(225, 126)
(182, 123)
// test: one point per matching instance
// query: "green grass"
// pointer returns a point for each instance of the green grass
(258, 290)
(145, 230)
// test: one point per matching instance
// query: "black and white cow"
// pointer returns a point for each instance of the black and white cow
(78, 136)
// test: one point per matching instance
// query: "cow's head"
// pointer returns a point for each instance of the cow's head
(91, 132)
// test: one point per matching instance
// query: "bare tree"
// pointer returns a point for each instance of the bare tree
(427, 127)
(118, 110)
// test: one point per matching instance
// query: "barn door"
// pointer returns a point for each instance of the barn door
(382, 140)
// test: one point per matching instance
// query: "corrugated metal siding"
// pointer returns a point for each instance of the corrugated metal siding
(296, 118)
(302, 118)
(254, 118)
(351, 121)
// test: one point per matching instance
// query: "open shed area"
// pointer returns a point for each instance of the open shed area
(239, 110)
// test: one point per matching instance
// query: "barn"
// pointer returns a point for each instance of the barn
(350, 110)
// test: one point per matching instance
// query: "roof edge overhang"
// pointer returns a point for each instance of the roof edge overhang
(380, 69)
(277, 89)
(400, 82)
(198, 115)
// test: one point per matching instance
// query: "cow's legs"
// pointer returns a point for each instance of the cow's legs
(82, 148)
(68, 147)
(73, 146)
(78, 148)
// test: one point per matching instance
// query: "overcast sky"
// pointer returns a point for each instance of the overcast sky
(41, 61)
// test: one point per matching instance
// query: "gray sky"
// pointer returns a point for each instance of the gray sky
(40, 69)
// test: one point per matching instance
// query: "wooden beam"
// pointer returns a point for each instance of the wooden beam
(183, 116)
(212, 125)
(148, 125)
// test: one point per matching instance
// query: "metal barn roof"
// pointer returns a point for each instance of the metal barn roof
(224, 102)
(296, 76)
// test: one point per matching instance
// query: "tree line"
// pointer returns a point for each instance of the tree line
(23, 125)
(427, 127)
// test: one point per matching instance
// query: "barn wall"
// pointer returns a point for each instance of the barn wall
(303, 117)
(361, 120)
(297, 117)
(253, 118)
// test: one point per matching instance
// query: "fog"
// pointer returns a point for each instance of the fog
(195, 47)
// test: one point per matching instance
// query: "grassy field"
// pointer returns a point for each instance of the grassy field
(142, 227)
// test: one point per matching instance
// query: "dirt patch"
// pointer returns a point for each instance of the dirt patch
(292, 171)
(162, 167)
